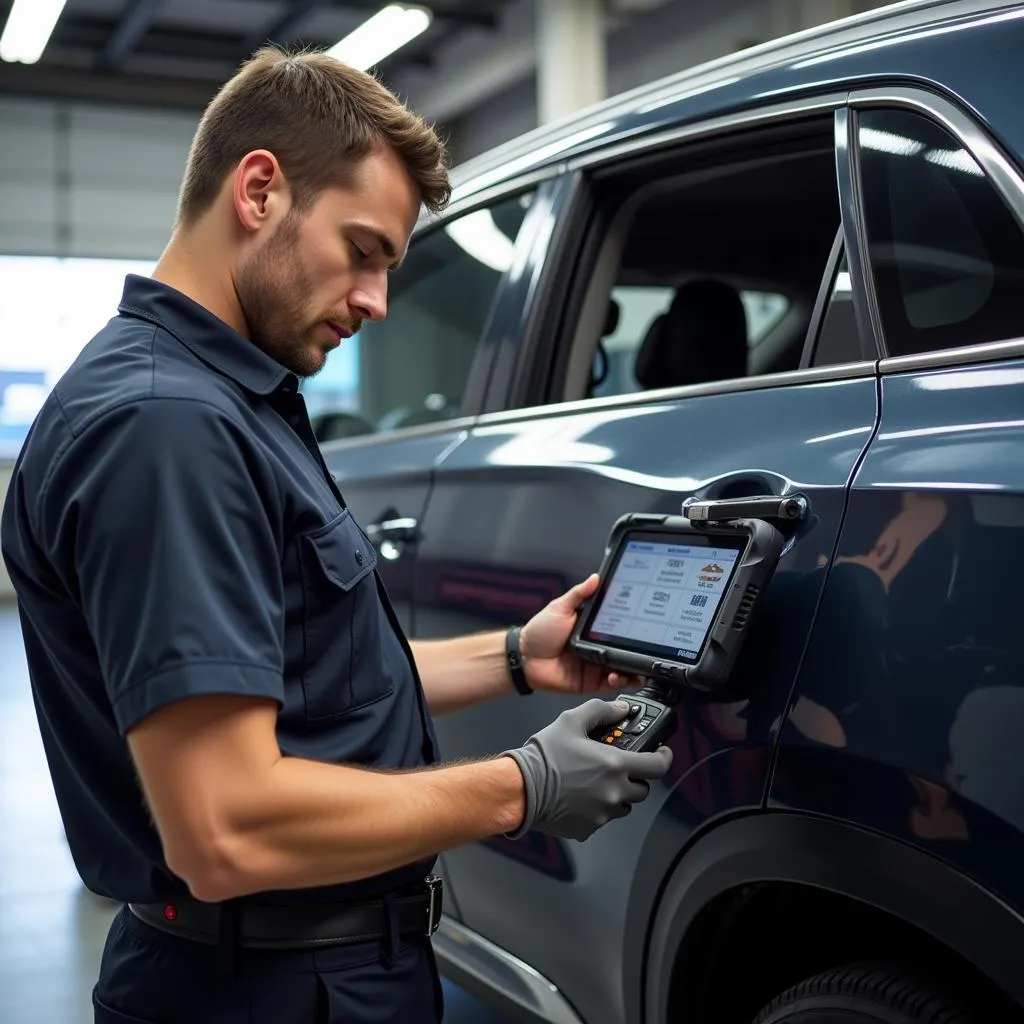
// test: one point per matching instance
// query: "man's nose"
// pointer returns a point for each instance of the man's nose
(370, 303)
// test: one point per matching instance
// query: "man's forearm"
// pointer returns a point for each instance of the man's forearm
(462, 671)
(312, 824)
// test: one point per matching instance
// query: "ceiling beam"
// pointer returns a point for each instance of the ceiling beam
(282, 29)
(452, 11)
(478, 19)
(86, 35)
(134, 24)
(127, 90)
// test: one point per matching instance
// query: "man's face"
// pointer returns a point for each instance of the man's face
(324, 271)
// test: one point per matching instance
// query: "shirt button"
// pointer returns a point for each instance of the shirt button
(359, 557)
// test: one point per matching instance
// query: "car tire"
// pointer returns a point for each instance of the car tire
(863, 994)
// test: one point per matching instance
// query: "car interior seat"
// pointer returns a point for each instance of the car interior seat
(701, 337)
(435, 408)
(611, 325)
(335, 425)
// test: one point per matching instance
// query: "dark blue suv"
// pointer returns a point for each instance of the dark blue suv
(797, 269)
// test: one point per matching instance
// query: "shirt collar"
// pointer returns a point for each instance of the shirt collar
(204, 334)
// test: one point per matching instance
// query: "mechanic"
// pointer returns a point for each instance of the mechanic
(238, 732)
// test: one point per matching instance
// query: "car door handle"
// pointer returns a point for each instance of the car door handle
(761, 506)
(390, 536)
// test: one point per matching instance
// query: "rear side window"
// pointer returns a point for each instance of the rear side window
(946, 252)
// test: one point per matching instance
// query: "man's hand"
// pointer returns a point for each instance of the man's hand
(549, 664)
(574, 784)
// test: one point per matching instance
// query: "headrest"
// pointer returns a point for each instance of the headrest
(611, 318)
(701, 337)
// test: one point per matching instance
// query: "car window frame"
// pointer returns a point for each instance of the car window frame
(521, 320)
(1000, 171)
(516, 400)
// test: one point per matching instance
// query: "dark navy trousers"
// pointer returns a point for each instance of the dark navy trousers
(149, 977)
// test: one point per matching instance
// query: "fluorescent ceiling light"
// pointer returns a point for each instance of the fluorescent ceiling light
(388, 30)
(28, 30)
(481, 238)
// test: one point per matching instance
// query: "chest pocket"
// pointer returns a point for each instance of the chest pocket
(342, 616)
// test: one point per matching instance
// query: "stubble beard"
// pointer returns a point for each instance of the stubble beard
(273, 288)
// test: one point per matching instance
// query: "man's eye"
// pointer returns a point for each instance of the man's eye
(359, 252)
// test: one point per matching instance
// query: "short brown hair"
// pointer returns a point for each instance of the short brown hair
(320, 118)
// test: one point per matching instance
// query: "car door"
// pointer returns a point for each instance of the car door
(910, 705)
(402, 392)
(521, 510)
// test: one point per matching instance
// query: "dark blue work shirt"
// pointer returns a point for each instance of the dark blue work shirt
(171, 531)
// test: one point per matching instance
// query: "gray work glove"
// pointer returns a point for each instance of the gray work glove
(575, 784)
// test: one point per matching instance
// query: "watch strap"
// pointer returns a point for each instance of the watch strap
(514, 660)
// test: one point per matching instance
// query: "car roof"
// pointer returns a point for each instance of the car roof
(669, 100)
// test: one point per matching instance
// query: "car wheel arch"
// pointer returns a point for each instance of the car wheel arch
(835, 859)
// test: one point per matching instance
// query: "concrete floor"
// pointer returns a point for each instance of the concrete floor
(51, 928)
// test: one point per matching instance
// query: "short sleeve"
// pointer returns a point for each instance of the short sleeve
(164, 520)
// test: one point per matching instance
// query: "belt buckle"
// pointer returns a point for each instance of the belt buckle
(434, 889)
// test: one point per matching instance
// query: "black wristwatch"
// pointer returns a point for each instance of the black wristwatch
(514, 658)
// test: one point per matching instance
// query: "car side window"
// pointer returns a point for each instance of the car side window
(635, 311)
(704, 265)
(412, 367)
(946, 253)
(838, 340)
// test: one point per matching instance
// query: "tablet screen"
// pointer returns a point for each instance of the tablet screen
(663, 594)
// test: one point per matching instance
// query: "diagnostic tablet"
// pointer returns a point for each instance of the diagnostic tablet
(676, 597)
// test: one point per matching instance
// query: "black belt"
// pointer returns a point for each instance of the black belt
(415, 911)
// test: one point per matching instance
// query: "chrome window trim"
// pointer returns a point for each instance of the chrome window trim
(999, 170)
(344, 444)
(789, 378)
(966, 355)
(750, 118)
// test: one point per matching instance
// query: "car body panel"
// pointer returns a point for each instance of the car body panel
(387, 479)
(910, 707)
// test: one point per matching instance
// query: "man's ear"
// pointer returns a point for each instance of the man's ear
(259, 191)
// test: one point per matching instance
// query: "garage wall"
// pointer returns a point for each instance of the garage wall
(82, 180)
